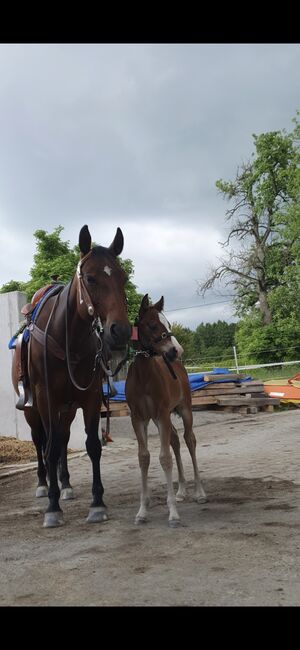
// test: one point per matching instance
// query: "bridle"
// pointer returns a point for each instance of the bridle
(148, 351)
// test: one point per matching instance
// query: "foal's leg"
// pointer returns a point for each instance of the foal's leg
(91, 415)
(140, 429)
(165, 431)
(175, 444)
(190, 440)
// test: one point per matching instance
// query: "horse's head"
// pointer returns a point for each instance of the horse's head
(101, 287)
(154, 330)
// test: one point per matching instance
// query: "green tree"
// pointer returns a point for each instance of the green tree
(54, 256)
(265, 193)
(13, 285)
(214, 341)
(185, 337)
(262, 260)
(133, 297)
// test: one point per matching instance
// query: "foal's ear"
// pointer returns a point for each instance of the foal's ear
(85, 241)
(116, 246)
(160, 304)
(144, 304)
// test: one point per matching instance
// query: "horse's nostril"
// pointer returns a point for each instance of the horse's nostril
(120, 333)
(113, 331)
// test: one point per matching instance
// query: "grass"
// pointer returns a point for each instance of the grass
(277, 372)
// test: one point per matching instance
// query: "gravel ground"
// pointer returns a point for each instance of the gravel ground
(241, 548)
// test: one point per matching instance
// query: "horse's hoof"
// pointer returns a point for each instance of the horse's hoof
(140, 520)
(41, 491)
(201, 499)
(67, 493)
(174, 523)
(180, 497)
(53, 519)
(97, 515)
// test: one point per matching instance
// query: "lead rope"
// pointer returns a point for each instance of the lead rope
(49, 437)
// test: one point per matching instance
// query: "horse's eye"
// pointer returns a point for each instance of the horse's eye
(153, 326)
(90, 279)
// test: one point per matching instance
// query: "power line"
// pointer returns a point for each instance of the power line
(208, 304)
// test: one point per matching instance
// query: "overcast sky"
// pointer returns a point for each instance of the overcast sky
(136, 136)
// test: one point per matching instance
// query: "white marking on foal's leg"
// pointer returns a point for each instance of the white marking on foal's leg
(166, 462)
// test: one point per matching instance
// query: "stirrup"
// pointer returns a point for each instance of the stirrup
(29, 398)
(21, 401)
(25, 397)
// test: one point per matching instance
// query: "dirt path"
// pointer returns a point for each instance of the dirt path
(242, 547)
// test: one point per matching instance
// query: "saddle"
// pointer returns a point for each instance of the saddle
(30, 311)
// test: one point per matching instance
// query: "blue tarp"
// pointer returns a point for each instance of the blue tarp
(196, 380)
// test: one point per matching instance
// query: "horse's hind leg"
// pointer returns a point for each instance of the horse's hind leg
(190, 440)
(140, 429)
(175, 444)
(53, 515)
(165, 431)
(39, 439)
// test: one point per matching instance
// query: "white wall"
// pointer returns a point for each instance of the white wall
(12, 421)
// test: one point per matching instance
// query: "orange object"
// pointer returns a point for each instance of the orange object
(286, 391)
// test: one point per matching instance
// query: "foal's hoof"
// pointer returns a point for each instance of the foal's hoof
(97, 515)
(41, 491)
(53, 519)
(139, 521)
(67, 493)
(200, 498)
(180, 497)
(174, 523)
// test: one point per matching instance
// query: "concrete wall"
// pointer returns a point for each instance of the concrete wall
(12, 421)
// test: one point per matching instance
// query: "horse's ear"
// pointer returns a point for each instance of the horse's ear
(85, 241)
(144, 304)
(116, 246)
(160, 304)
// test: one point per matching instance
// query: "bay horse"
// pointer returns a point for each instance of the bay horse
(157, 384)
(69, 346)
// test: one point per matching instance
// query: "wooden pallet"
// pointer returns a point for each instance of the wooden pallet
(116, 409)
(234, 396)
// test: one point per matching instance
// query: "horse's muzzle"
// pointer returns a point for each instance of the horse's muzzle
(118, 335)
(171, 354)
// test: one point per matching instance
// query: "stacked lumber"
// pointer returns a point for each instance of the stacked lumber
(233, 396)
(116, 409)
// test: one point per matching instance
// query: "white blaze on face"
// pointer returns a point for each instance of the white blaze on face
(172, 342)
(107, 270)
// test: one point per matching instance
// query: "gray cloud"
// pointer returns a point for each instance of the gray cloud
(135, 136)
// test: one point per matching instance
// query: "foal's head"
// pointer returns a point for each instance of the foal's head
(101, 287)
(154, 330)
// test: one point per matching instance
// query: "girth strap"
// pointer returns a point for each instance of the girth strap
(53, 346)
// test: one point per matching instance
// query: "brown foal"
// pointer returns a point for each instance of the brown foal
(157, 385)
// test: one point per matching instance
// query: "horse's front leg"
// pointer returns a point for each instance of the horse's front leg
(63, 472)
(91, 415)
(140, 428)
